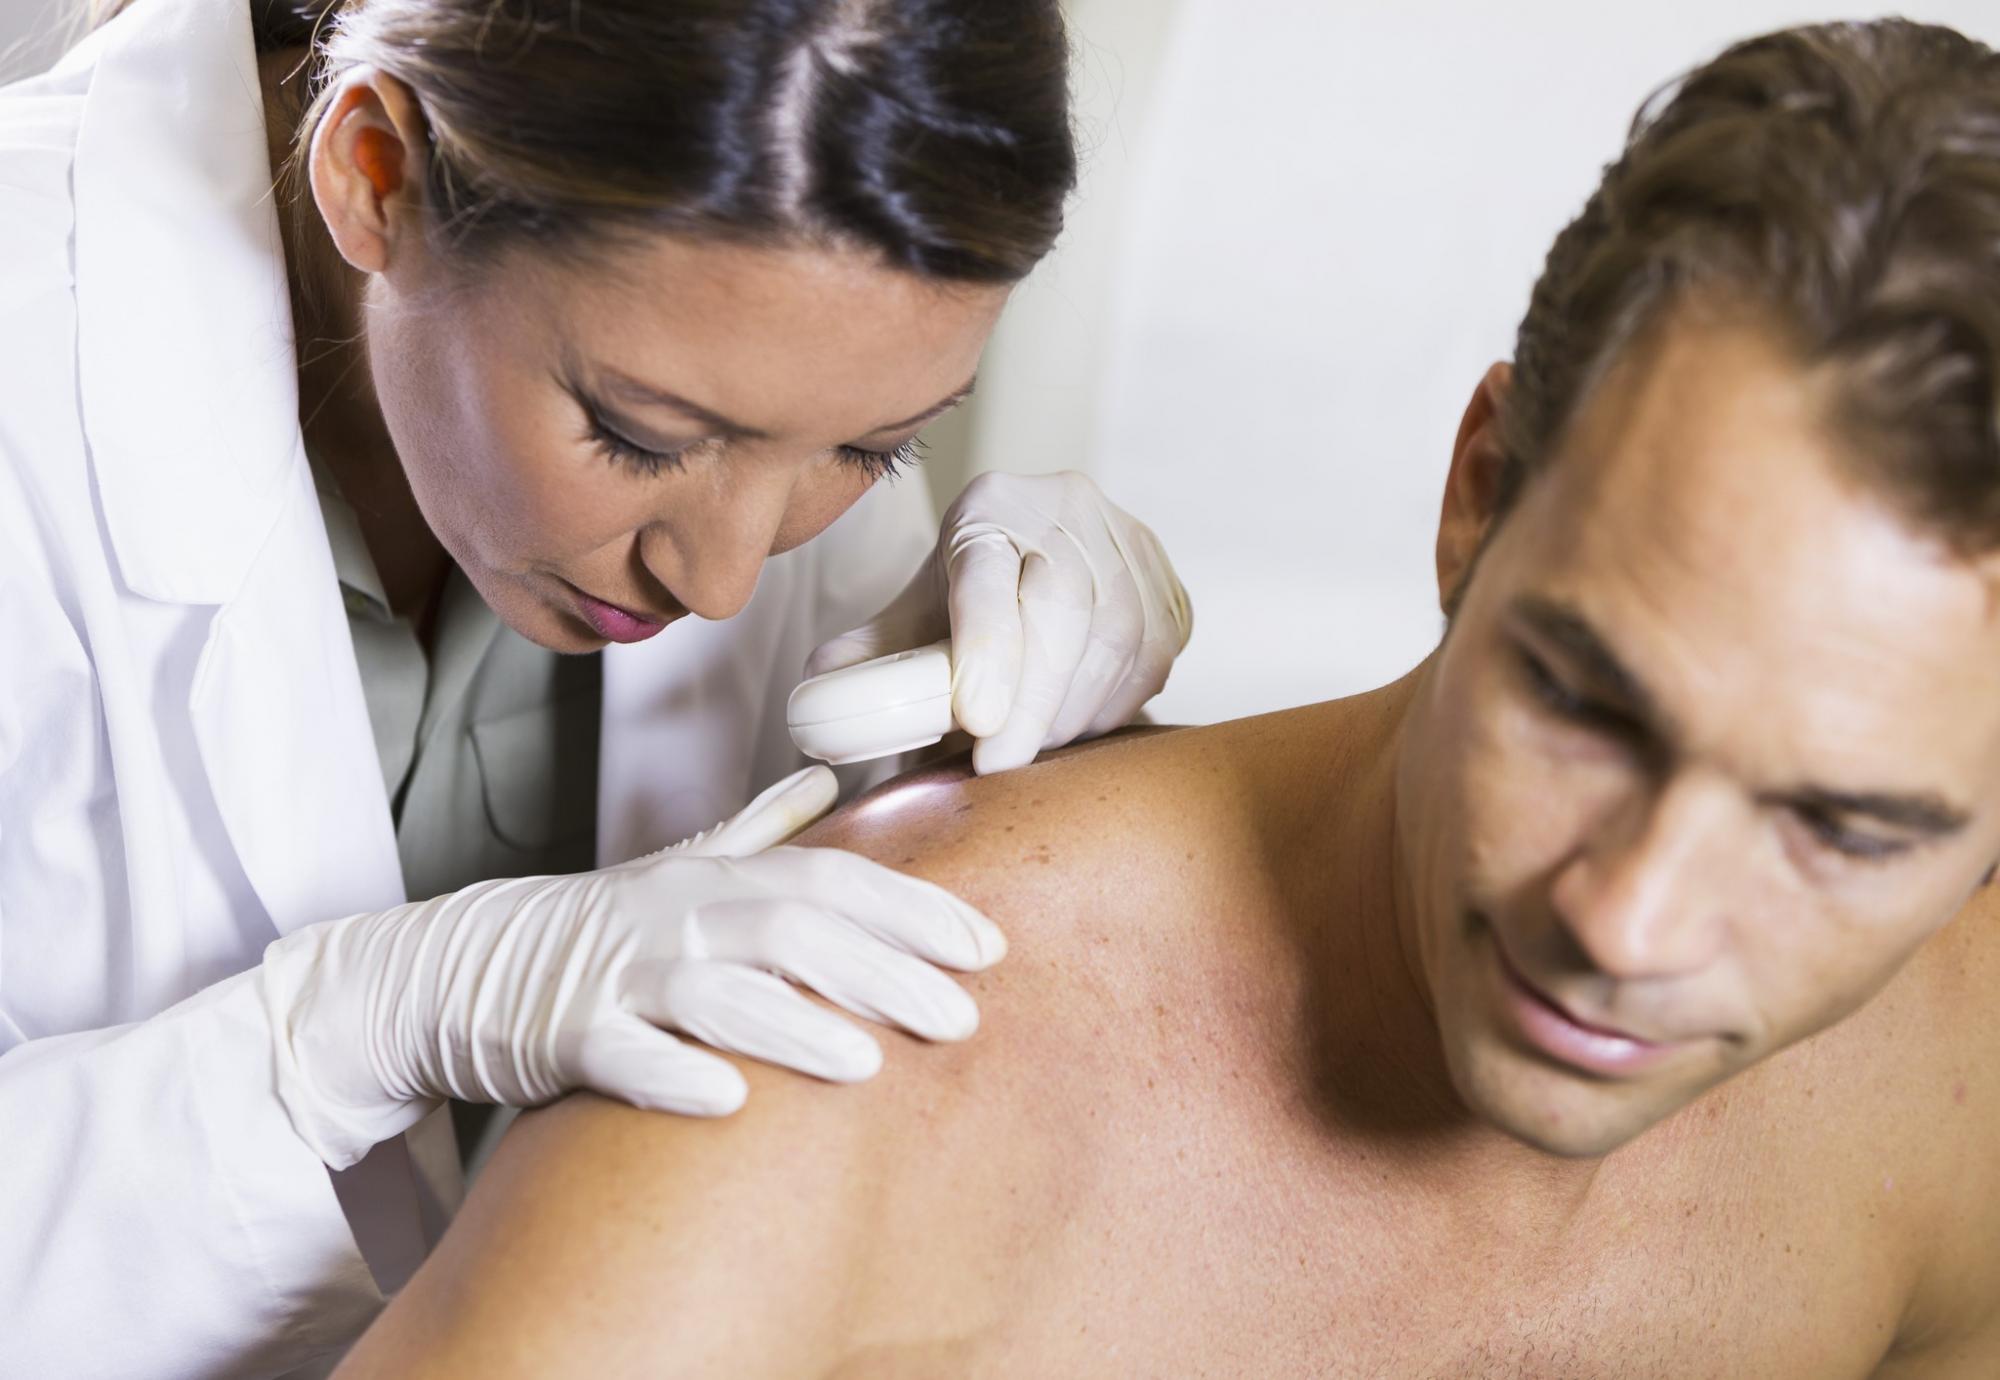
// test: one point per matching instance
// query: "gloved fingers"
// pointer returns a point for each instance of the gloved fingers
(843, 962)
(983, 571)
(1146, 677)
(916, 916)
(748, 1012)
(914, 618)
(779, 812)
(1169, 612)
(1056, 610)
(1117, 631)
(623, 1056)
(1165, 620)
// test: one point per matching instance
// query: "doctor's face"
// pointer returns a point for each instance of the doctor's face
(605, 445)
(1708, 752)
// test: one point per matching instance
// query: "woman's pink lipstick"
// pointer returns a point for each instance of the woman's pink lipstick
(612, 623)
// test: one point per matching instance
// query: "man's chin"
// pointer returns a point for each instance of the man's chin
(1557, 1113)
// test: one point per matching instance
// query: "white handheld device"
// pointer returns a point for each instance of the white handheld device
(881, 707)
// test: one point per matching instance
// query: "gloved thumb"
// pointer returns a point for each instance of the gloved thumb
(777, 814)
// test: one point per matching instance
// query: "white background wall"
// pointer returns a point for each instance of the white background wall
(1305, 228)
(30, 32)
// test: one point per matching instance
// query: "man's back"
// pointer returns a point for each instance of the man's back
(1183, 1145)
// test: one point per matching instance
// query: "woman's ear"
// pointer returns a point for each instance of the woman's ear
(1472, 489)
(360, 165)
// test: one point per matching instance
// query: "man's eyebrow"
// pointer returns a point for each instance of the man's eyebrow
(1922, 813)
(1570, 633)
(645, 394)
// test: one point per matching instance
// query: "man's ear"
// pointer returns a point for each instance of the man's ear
(1472, 488)
(361, 164)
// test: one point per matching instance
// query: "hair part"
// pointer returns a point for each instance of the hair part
(933, 133)
(1843, 182)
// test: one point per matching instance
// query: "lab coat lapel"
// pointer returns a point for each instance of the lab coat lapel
(184, 338)
(284, 736)
(190, 405)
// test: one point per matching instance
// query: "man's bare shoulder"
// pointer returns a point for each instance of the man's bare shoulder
(1925, 1056)
(919, 1192)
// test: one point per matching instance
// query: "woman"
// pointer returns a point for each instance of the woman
(583, 312)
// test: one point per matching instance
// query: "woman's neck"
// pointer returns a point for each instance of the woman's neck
(339, 414)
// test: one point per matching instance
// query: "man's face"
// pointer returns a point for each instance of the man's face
(1706, 755)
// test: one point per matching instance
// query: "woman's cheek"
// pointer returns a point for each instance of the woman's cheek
(819, 502)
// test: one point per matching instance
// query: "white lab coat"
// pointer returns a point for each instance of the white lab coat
(186, 766)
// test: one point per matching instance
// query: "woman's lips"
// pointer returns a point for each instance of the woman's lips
(615, 624)
(1561, 1036)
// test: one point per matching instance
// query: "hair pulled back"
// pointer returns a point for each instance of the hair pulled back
(1841, 179)
(934, 133)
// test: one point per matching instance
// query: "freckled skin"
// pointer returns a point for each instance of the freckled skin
(1241, 1102)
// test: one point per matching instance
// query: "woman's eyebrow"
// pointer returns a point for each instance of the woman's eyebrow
(632, 391)
(936, 409)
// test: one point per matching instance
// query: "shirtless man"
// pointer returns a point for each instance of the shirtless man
(1586, 1003)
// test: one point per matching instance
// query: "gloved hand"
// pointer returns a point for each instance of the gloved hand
(1063, 611)
(517, 991)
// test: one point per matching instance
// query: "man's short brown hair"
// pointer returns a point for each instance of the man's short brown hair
(1843, 180)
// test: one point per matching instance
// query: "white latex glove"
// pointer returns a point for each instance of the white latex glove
(518, 991)
(1063, 611)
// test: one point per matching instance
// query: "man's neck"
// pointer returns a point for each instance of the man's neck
(1378, 1069)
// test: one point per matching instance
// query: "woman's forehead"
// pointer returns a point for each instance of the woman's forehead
(784, 340)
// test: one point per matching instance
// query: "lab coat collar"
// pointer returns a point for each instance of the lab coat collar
(184, 332)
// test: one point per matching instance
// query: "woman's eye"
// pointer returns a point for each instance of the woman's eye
(621, 451)
(1829, 832)
(885, 464)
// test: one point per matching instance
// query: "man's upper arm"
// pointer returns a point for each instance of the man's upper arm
(603, 1241)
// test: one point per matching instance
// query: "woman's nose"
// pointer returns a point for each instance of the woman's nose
(1647, 896)
(710, 550)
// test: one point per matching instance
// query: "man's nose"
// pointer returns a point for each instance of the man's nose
(710, 551)
(1648, 894)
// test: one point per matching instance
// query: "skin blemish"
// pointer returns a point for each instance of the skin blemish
(1958, 1093)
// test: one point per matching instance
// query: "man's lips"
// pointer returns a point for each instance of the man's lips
(1551, 1028)
(1561, 1010)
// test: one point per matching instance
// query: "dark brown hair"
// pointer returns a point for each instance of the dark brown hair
(935, 133)
(1843, 181)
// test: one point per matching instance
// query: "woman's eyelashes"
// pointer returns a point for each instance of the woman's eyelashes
(886, 464)
(619, 449)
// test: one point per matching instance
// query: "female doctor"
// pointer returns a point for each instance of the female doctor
(582, 316)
